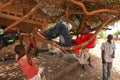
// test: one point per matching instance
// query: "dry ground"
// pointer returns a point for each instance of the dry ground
(53, 64)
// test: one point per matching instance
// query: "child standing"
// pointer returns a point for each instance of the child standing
(26, 63)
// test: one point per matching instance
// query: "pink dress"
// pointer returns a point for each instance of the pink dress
(29, 70)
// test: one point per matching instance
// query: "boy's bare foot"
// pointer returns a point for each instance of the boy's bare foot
(83, 67)
(91, 65)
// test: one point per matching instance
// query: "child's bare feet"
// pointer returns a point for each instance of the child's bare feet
(91, 65)
(83, 67)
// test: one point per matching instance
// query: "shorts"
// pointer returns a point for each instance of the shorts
(37, 76)
(82, 56)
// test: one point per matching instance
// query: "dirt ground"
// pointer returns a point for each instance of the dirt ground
(53, 64)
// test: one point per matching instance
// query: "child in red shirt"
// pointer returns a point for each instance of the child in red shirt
(83, 55)
(82, 39)
(26, 62)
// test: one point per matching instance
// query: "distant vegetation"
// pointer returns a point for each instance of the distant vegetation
(117, 34)
(101, 34)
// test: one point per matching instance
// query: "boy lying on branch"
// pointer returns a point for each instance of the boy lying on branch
(62, 30)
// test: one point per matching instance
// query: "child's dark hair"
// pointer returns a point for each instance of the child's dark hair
(110, 36)
(88, 27)
(18, 49)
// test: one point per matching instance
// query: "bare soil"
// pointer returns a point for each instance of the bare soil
(53, 64)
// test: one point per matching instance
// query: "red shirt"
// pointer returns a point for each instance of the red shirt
(29, 70)
(82, 39)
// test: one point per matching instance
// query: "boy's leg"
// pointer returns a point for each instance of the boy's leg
(66, 35)
(55, 31)
(89, 60)
(83, 67)
(109, 67)
(105, 77)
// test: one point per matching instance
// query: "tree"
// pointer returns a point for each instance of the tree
(117, 33)
(101, 34)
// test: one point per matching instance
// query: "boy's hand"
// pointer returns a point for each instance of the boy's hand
(32, 51)
(16, 57)
(103, 61)
(113, 56)
(16, 64)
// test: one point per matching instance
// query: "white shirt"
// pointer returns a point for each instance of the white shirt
(108, 50)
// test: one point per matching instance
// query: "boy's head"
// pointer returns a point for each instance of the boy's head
(110, 37)
(20, 49)
(86, 29)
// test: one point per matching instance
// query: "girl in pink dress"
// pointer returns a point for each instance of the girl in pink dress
(26, 63)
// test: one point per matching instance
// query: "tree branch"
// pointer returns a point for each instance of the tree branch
(92, 12)
(24, 17)
(67, 13)
(6, 4)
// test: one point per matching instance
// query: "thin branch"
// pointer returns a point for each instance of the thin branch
(24, 17)
(6, 4)
(92, 12)
(67, 13)
(104, 25)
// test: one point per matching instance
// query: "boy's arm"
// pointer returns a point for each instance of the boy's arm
(16, 57)
(113, 55)
(21, 38)
(114, 47)
(102, 55)
(39, 34)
